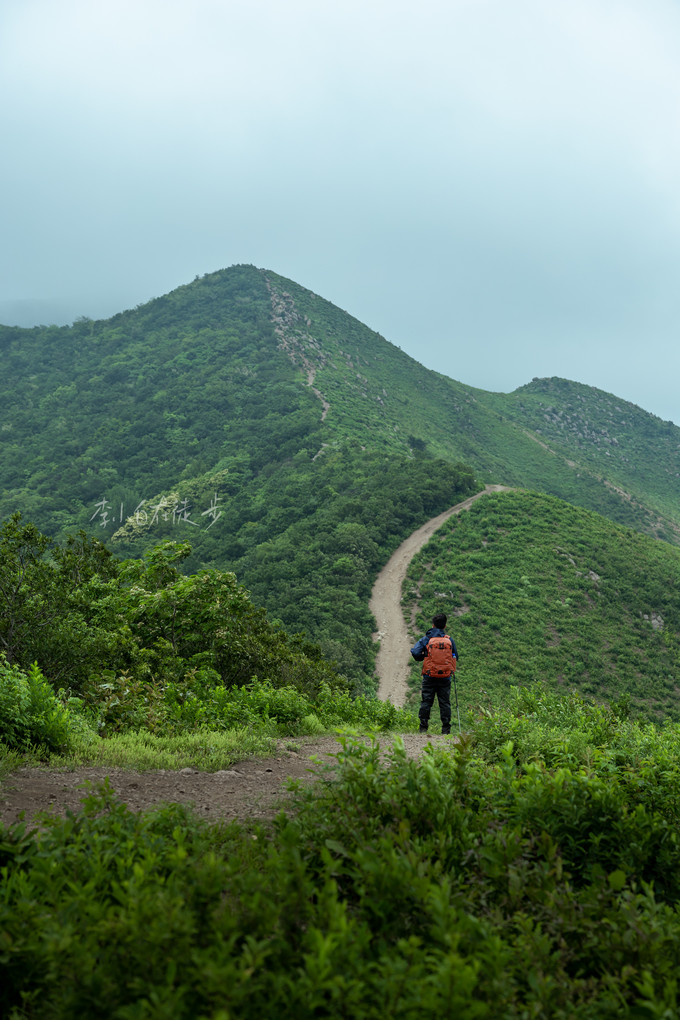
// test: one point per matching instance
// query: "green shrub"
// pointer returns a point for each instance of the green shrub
(447, 886)
(117, 700)
(30, 712)
(201, 700)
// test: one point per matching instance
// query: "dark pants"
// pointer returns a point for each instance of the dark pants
(442, 690)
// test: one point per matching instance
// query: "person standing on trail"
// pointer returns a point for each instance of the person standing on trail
(438, 654)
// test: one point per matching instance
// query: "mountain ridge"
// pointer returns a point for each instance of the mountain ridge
(326, 377)
(366, 387)
(477, 411)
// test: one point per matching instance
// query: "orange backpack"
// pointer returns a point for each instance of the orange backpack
(439, 659)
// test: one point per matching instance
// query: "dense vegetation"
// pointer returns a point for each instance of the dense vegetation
(532, 871)
(539, 591)
(137, 641)
(309, 542)
(242, 431)
(190, 419)
(200, 722)
(384, 397)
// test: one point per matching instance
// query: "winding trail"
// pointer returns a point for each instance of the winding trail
(392, 663)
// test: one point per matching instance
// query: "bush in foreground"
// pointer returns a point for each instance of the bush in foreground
(491, 880)
(30, 713)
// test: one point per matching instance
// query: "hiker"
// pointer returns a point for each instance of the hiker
(439, 659)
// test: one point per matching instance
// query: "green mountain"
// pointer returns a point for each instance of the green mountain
(289, 443)
(242, 369)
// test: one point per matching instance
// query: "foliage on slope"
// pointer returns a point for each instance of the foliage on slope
(124, 408)
(386, 399)
(127, 636)
(537, 590)
(532, 871)
(287, 442)
(312, 535)
(633, 450)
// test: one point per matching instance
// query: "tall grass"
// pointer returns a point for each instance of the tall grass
(208, 750)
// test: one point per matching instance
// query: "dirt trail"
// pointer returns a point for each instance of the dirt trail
(392, 664)
(253, 789)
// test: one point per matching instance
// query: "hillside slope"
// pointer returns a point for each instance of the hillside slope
(636, 454)
(385, 398)
(537, 590)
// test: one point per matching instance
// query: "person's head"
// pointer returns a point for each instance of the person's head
(439, 621)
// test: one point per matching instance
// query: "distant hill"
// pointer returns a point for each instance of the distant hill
(636, 454)
(293, 445)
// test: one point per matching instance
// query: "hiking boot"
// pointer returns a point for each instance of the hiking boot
(445, 730)
(423, 729)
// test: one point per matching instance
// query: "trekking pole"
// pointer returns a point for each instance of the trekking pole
(455, 687)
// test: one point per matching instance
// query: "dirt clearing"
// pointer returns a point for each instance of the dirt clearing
(251, 789)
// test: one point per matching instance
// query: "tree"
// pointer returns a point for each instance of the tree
(24, 578)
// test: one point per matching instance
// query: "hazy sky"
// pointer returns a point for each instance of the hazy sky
(494, 186)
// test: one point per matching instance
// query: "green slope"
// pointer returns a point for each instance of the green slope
(635, 453)
(124, 408)
(383, 397)
(537, 590)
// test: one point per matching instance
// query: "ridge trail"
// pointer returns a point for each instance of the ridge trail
(392, 663)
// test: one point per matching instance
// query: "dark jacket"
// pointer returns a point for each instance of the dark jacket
(419, 649)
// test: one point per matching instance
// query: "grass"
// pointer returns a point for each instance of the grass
(536, 590)
(207, 750)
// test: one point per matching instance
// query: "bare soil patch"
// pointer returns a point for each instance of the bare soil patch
(252, 789)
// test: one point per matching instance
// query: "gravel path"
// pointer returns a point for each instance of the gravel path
(392, 664)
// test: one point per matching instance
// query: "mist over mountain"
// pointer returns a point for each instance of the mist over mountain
(27, 311)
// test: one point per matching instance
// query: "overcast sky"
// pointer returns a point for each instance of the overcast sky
(494, 186)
